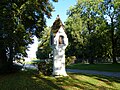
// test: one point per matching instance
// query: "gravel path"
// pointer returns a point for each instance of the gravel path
(110, 74)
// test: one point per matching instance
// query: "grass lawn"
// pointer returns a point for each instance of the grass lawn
(98, 67)
(28, 80)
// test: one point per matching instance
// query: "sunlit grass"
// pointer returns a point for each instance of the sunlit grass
(98, 67)
(28, 80)
(79, 81)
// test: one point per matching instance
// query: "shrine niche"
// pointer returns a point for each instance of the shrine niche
(58, 42)
(61, 39)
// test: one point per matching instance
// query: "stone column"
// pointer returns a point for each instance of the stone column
(59, 55)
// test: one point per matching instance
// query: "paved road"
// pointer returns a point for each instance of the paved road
(110, 74)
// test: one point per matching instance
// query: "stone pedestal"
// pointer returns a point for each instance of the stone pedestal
(59, 61)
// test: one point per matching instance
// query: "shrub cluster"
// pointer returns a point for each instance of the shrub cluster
(45, 66)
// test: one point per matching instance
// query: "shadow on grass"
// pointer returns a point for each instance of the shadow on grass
(26, 80)
(96, 81)
(104, 78)
(29, 80)
(50, 83)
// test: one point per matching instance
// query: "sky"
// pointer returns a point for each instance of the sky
(61, 8)
(33, 48)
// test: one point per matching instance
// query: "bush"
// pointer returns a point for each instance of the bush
(44, 66)
(70, 60)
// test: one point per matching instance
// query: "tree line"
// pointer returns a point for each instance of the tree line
(92, 26)
(93, 29)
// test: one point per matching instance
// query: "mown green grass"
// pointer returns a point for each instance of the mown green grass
(98, 67)
(28, 80)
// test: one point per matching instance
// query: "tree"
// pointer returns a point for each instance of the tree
(111, 9)
(20, 20)
(44, 46)
(118, 30)
(84, 18)
(73, 28)
(95, 31)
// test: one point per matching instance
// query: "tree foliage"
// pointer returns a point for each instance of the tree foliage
(93, 30)
(20, 20)
(44, 46)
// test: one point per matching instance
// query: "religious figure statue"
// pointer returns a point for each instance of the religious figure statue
(59, 42)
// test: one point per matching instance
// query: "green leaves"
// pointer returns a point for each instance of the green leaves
(89, 31)
(20, 20)
(44, 48)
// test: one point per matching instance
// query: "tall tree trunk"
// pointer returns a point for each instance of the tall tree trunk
(91, 61)
(113, 42)
(10, 60)
(3, 59)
